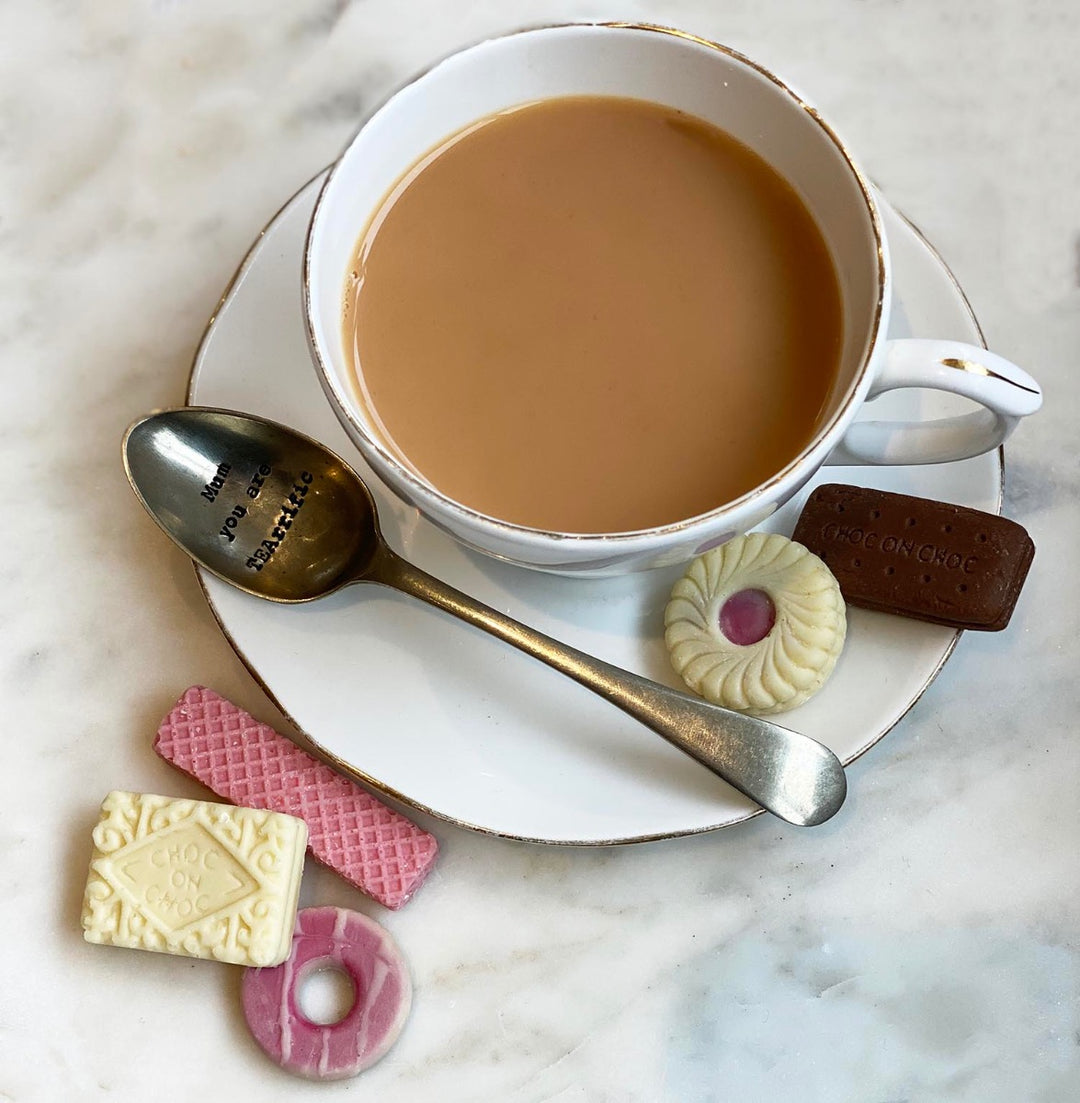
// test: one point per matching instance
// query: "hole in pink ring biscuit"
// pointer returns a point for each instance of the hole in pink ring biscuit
(747, 617)
(324, 992)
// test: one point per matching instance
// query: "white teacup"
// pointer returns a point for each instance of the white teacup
(724, 88)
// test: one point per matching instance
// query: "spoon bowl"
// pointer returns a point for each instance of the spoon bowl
(289, 521)
(280, 516)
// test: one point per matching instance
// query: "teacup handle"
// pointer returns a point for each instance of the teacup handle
(1006, 393)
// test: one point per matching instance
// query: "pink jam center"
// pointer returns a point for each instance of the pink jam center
(747, 617)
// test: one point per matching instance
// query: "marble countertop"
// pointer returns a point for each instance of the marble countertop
(920, 946)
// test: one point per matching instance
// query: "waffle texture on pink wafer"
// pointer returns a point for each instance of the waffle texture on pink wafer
(375, 848)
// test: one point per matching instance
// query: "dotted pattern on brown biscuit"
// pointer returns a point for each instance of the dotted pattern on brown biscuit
(918, 558)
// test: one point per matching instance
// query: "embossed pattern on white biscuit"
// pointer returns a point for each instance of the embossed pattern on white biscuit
(196, 879)
(792, 661)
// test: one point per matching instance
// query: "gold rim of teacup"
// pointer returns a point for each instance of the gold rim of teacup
(421, 487)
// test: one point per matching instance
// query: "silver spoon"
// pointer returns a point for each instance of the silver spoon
(281, 517)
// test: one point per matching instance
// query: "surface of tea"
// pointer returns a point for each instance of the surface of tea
(594, 314)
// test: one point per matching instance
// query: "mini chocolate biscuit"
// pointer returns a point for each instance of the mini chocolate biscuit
(918, 558)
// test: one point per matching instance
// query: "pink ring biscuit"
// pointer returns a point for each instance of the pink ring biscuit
(330, 938)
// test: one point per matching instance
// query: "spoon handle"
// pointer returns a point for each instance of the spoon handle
(789, 774)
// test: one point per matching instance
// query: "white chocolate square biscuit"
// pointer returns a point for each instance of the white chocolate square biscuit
(193, 878)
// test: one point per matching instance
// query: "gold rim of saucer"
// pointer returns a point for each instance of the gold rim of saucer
(349, 770)
(619, 539)
(346, 768)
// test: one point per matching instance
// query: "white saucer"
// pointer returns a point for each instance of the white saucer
(436, 714)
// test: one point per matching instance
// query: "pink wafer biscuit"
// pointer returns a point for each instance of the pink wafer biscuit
(375, 848)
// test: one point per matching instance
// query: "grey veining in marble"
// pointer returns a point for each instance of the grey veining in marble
(920, 947)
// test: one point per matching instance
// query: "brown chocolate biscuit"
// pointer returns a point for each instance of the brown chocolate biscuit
(928, 560)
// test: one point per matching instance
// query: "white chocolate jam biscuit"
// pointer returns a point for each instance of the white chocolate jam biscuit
(756, 625)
